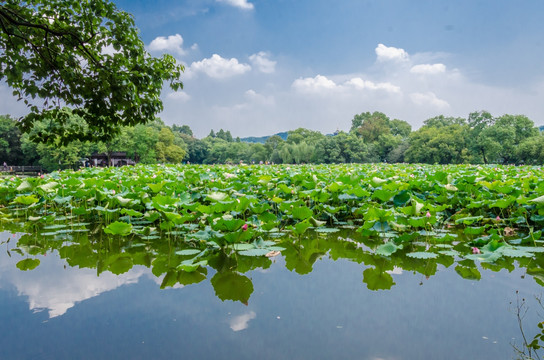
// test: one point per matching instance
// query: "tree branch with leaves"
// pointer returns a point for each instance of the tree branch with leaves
(86, 55)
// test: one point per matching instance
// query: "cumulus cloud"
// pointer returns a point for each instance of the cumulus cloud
(219, 68)
(262, 62)
(241, 322)
(428, 98)
(172, 43)
(361, 84)
(428, 69)
(386, 53)
(241, 4)
(179, 96)
(56, 289)
(322, 84)
(255, 97)
(316, 84)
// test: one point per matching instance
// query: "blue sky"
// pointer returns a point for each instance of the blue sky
(257, 67)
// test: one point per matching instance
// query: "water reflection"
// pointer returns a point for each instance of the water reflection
(173, 263)
(326, 313)
(241, 322)
(57, 288)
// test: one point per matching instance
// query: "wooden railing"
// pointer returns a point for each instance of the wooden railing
(21, 170)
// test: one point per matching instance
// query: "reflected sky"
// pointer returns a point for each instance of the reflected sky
(326, 313)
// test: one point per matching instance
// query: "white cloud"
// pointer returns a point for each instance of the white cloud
(241, 322)
(172, 43)
(255, 97)
(316, 85)
(324, 102)
(179, 96)
(385, 53)
(218, 68)
(242, 4)
(56, 289)
(321, 84)
(262, 62)
(429, 98)
(361, 84)
(430, 69)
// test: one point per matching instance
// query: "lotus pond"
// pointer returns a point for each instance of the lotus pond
(345, 261)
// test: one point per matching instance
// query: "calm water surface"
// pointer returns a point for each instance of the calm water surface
(60, 312)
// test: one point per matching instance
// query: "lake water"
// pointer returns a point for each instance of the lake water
(58, 311)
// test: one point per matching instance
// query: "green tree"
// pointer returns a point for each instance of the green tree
(83, 54)
(55, 155)
(531, 150)
(400, 127)
(10, 142)
(478, 121)
(165, 148)
(370, 126)
(304, 135)
(442, 140)
(183, 129)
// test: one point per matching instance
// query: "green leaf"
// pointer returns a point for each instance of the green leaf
(188, 252)
(538, 200)
(232, 286)
(468, 273)
(26, 200)
(25, 186)
(217, 196)
(402, 198)
(383, 195)
(118, 228)
(189, 266)
(121, 264)
(302, 213)
(131, 212)
(254, 252)
(326, 230)
(241, 247)
(387, 249)
(301, 228)
(28, 264)
(469, 220)
(422, 255)
(377, 280)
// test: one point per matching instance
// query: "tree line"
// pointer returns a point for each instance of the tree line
(481, 138)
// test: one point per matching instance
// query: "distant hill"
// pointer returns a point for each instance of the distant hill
(262, 139)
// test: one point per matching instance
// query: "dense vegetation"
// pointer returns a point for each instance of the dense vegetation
(403, 214)
(373, 137)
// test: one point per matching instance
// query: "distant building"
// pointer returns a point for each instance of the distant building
(117, 158)
(541, 128)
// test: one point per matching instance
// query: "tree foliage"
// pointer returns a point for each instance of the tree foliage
(507, 139)
(86, 55)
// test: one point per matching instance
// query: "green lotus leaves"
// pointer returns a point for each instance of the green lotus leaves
(302, 213)
(217, 196)
(26, 199)
(387, 249)
(422, 255)
(382, 195)
(405, 215)
(118, 228)
(24, 186)
(469, 220)
(377, 280)
(232, 286)
(28, 264)
(539, 200)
